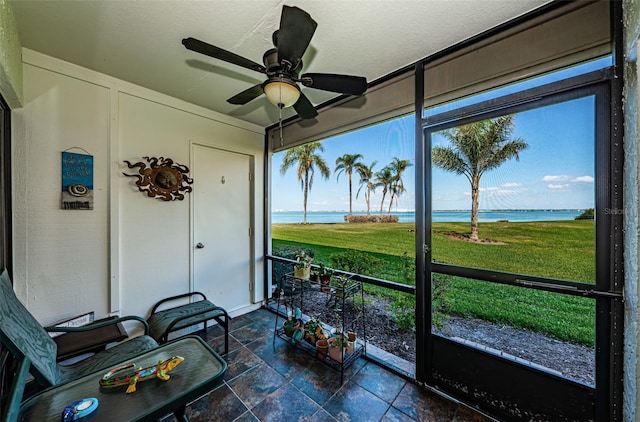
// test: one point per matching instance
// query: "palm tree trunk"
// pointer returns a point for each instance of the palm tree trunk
(306, 191)
(350, 194)
(384, 193)
(367, 198)
(475, 195)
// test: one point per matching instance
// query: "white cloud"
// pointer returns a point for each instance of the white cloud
(511, 185)
(499, 191)
(566, 178)
(564, 186)
(561, 178)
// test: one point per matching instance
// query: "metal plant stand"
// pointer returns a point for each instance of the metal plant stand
(343, 291)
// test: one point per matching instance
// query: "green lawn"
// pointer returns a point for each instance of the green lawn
(561, 249)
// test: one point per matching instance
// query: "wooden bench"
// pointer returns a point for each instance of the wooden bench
(163, 322)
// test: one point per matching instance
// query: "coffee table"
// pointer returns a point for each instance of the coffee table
(202, 371)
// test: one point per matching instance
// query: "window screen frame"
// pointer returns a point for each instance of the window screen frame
(606, 294)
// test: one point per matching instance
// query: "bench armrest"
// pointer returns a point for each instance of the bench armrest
(97, 325)
(169, 299)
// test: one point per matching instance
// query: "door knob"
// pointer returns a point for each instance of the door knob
(200, 245)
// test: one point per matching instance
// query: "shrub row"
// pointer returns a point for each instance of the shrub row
(374, 218)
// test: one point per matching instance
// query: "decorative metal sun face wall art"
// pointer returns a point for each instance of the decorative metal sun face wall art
(162, 178)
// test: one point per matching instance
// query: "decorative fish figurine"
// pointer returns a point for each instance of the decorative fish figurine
(79, 409)
(124, 375)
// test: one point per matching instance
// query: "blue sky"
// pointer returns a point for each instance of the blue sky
(378, 143)
(555, 172)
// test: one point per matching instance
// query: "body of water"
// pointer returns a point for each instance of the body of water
(281, 217)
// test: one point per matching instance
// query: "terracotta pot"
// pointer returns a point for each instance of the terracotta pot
(351, 336)
(351, 347)
(335, 352)
(322, 347)
(325, 281)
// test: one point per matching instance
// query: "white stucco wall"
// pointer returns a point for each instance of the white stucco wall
(151, 128)
(10, 57)
(130, 250)
(631, 93)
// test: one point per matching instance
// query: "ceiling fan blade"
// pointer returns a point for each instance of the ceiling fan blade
(224, 55)
(294, 35)
(246, 95)
(344, 84)
(304, 108)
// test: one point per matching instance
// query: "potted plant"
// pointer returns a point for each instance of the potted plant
(290, 325)
(315, 278)
(351, 343)
(314, 331)
(325, 273)
(343, 284)
(336, 348)
(302, 267)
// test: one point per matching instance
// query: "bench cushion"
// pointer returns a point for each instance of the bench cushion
(107, 358)
(193, 313)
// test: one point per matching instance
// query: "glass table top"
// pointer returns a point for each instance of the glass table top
(201, 371)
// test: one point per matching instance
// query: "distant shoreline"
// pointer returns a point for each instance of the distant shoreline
(521, 215)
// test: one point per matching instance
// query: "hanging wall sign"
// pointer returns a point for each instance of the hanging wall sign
(77, 181)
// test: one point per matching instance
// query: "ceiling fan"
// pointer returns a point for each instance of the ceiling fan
(282, 65)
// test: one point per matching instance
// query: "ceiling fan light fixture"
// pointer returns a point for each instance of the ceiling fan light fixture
(281, 92)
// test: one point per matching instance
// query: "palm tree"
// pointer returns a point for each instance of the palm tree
(347, 163)
(306, 157)
(398, 167)
(476, 148)
(366, 179)
(384, 179)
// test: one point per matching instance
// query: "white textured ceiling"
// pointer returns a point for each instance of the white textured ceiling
(140, 41)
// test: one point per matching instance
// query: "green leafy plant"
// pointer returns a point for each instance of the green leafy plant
(324, 271)
(279, 269)
(339, 341)
(313, 324)
(356, 262)
(403, 306)
(303, 260)
(290, 252)
(403, 311)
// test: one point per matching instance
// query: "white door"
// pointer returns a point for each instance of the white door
(222, 234)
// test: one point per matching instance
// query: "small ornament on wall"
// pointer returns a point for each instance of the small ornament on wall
(77, 181)
(162, 178)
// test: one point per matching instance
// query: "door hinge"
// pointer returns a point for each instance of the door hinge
(250, 231)
(426, 249)
(250, 176)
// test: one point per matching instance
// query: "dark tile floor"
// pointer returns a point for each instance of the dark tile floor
(280, 383)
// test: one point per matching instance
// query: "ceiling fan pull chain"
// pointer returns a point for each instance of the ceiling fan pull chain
(280, 126)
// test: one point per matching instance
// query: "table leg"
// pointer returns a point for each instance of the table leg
(179, 413)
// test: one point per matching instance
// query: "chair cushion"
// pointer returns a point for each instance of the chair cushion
(106, 359)
(193, 313)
